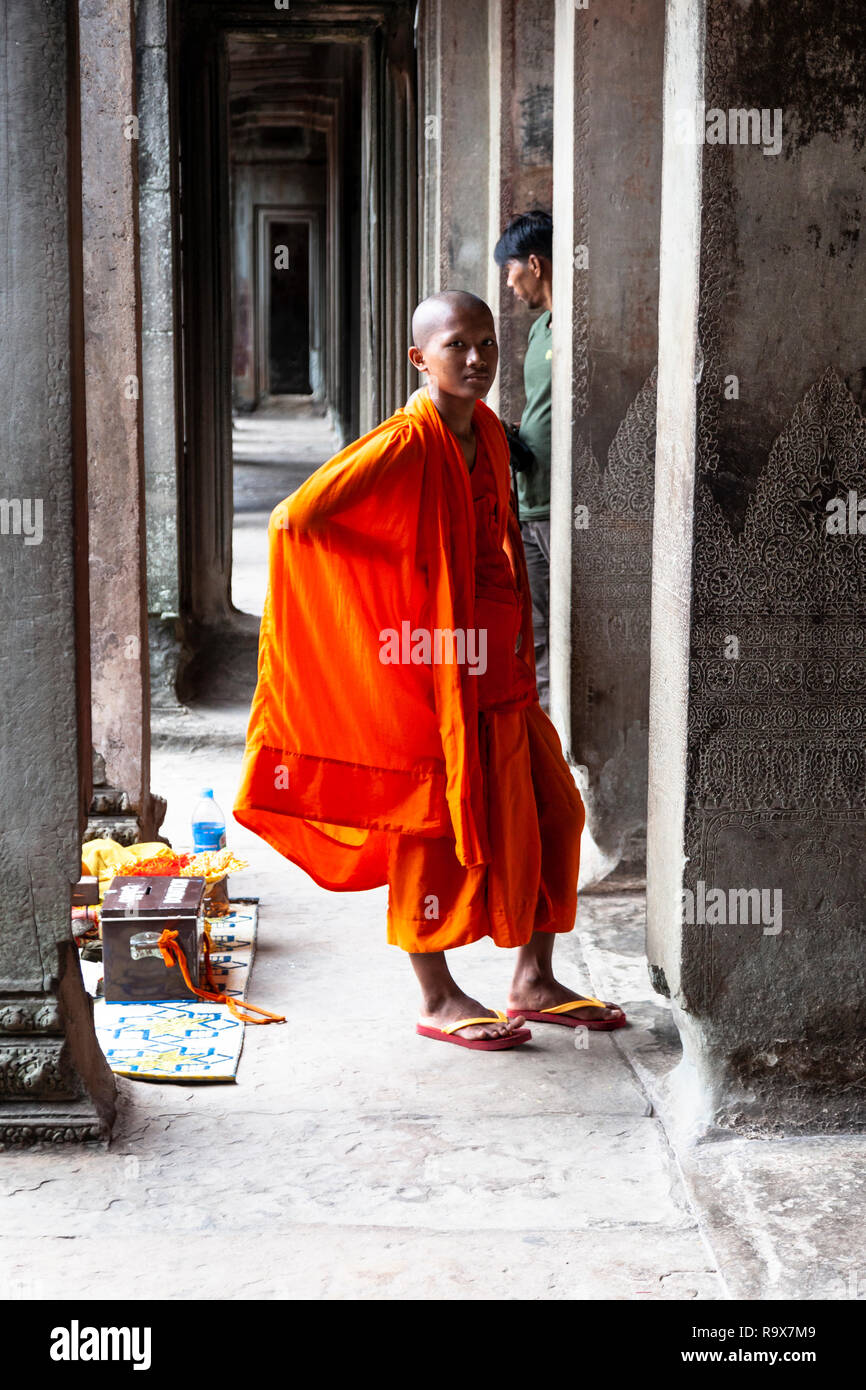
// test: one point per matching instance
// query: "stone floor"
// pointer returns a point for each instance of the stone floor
(785, 1218)
(274, 450)
(355, 1160)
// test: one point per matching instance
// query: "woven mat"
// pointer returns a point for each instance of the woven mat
(182, 1041)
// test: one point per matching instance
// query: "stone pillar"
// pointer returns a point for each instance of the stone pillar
(113, 377)
(607, 179)
(54, 1081)
(206, 492)
(758, 725)
(159, 354)
(397, 225)
(455, 129)
(520, 44)
(389, 233)
(486, 132)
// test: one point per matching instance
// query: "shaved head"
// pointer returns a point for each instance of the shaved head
(438, 310)
(455, 347)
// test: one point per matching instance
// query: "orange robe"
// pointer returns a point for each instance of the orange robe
(364, 769)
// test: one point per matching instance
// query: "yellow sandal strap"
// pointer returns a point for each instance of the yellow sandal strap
(572, 1004)
(467, 1022)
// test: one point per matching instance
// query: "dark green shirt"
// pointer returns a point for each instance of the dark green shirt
(533, 489)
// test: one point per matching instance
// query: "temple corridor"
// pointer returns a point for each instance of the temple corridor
(219, 216)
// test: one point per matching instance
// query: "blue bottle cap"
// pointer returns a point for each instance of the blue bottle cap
(207, 791)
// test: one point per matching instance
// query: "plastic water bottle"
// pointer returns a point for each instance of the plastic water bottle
(208, 823)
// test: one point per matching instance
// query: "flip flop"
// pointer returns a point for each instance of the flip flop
(477, 1044)
(602, 1025)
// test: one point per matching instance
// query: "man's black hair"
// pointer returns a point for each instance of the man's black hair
(531, 233)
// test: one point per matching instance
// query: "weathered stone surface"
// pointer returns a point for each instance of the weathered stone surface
(37, 1015)
(154, 147)
(612, 566)
(433, 1173)
(606, 227)
(161, 400)
(166, 653)
(124, 829)
(158, 336)
(346, 1262)
(29, 1128)
(107, 800)
(757, 782)
(34, 1069)
(156, 265)
(783, 1217)
(522, 169)
(151, 28)
(113, 381)
(51, 1080)
(454, 116)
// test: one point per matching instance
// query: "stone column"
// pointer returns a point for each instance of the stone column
(758, 724)
(607, 174)
(159, 344)
(389, 250)
(520, 46)
(206, 492)
(113, 377)
(54, 1081)
(455, 129)
(486, 132)
(398, 222)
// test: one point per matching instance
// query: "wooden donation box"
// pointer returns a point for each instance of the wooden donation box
(134, 914)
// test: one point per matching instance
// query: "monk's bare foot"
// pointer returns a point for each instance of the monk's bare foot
(441, 1011)
(532, 991)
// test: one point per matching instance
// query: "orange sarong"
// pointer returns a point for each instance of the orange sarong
(535, 819)
(365, 769)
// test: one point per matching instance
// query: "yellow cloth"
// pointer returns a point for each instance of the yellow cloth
(103, 859)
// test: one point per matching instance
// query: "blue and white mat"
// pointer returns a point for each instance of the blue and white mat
(180, 1041)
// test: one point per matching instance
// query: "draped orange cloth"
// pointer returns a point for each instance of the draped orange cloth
(356, 760)
(535, 819)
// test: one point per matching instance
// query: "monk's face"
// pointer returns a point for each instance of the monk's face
(461, 356)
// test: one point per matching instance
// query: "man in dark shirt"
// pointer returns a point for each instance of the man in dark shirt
(525, 250)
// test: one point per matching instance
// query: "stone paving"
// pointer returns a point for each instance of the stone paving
(354, 1159)
(785, 1217)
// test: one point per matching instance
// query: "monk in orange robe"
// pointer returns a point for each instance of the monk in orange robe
(395, 734)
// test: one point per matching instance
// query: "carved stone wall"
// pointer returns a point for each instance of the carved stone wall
(758, 687)
(777, 753)
(606, 228)
(610, 676)
(43, 1096)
